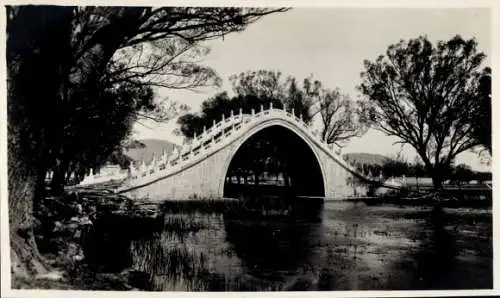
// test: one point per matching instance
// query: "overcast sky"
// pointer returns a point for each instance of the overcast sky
(331, 44)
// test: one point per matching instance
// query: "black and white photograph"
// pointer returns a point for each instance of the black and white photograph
(229, 148)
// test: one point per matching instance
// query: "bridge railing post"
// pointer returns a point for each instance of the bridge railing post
(153, 161)
(253, 113)
(271, 106)
(164, 155)
(262, 109)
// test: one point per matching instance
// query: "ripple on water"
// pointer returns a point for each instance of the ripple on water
(354, 247)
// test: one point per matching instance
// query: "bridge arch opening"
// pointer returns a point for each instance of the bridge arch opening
(274, 161)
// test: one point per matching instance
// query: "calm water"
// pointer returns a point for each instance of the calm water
(352, 247)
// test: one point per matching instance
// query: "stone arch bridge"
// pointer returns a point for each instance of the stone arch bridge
(200, 168)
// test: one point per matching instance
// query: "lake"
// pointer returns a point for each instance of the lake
(348, 246)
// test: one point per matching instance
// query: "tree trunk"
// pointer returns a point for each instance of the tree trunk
(36, 51)
(59, 178)
(285, 178)
(26, 261)
(57, 183)
(437, 180)
(40, 191)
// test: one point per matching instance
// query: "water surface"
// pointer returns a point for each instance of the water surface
(352, 247)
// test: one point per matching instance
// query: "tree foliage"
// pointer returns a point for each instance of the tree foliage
(252, 90)
(338, 117)
(263, 87)
(397, 167)
(482, 120)
(78, 77)
(427, 96)
(112, 58)
(214, 108)
(270, 85)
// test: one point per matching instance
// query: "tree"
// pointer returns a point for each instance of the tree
(482, 121)
(95, 128)
(212, 110)
(427, 96)
(338, 112)
(396, 166)
(462, 173)
(263, 87)
(61, 59)
(189, 125)
(338, 117)
(266, 85)
(34, 52)
(252, 89)
(134, 62)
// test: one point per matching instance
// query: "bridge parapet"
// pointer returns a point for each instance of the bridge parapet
(217, 136)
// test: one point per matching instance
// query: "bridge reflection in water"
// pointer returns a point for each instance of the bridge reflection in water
(351, 247)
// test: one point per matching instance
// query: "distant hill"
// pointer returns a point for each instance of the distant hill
(143, 150)
(367, 158)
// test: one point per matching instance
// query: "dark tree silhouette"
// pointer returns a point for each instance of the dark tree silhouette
(462, 173)
(94, 129)
(267, 85)
(427, 96)
(256, 88)
(213, 108)
(482, 121)
(70, 66)
(35, 49)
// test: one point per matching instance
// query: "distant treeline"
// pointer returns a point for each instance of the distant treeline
(394, 167)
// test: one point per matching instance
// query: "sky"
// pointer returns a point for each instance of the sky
(331, 44)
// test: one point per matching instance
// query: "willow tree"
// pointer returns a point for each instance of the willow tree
(63, 60)
(428, 96)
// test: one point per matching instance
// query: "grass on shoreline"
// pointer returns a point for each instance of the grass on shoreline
(213, 205)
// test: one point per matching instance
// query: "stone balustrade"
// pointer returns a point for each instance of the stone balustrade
(92, 178)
